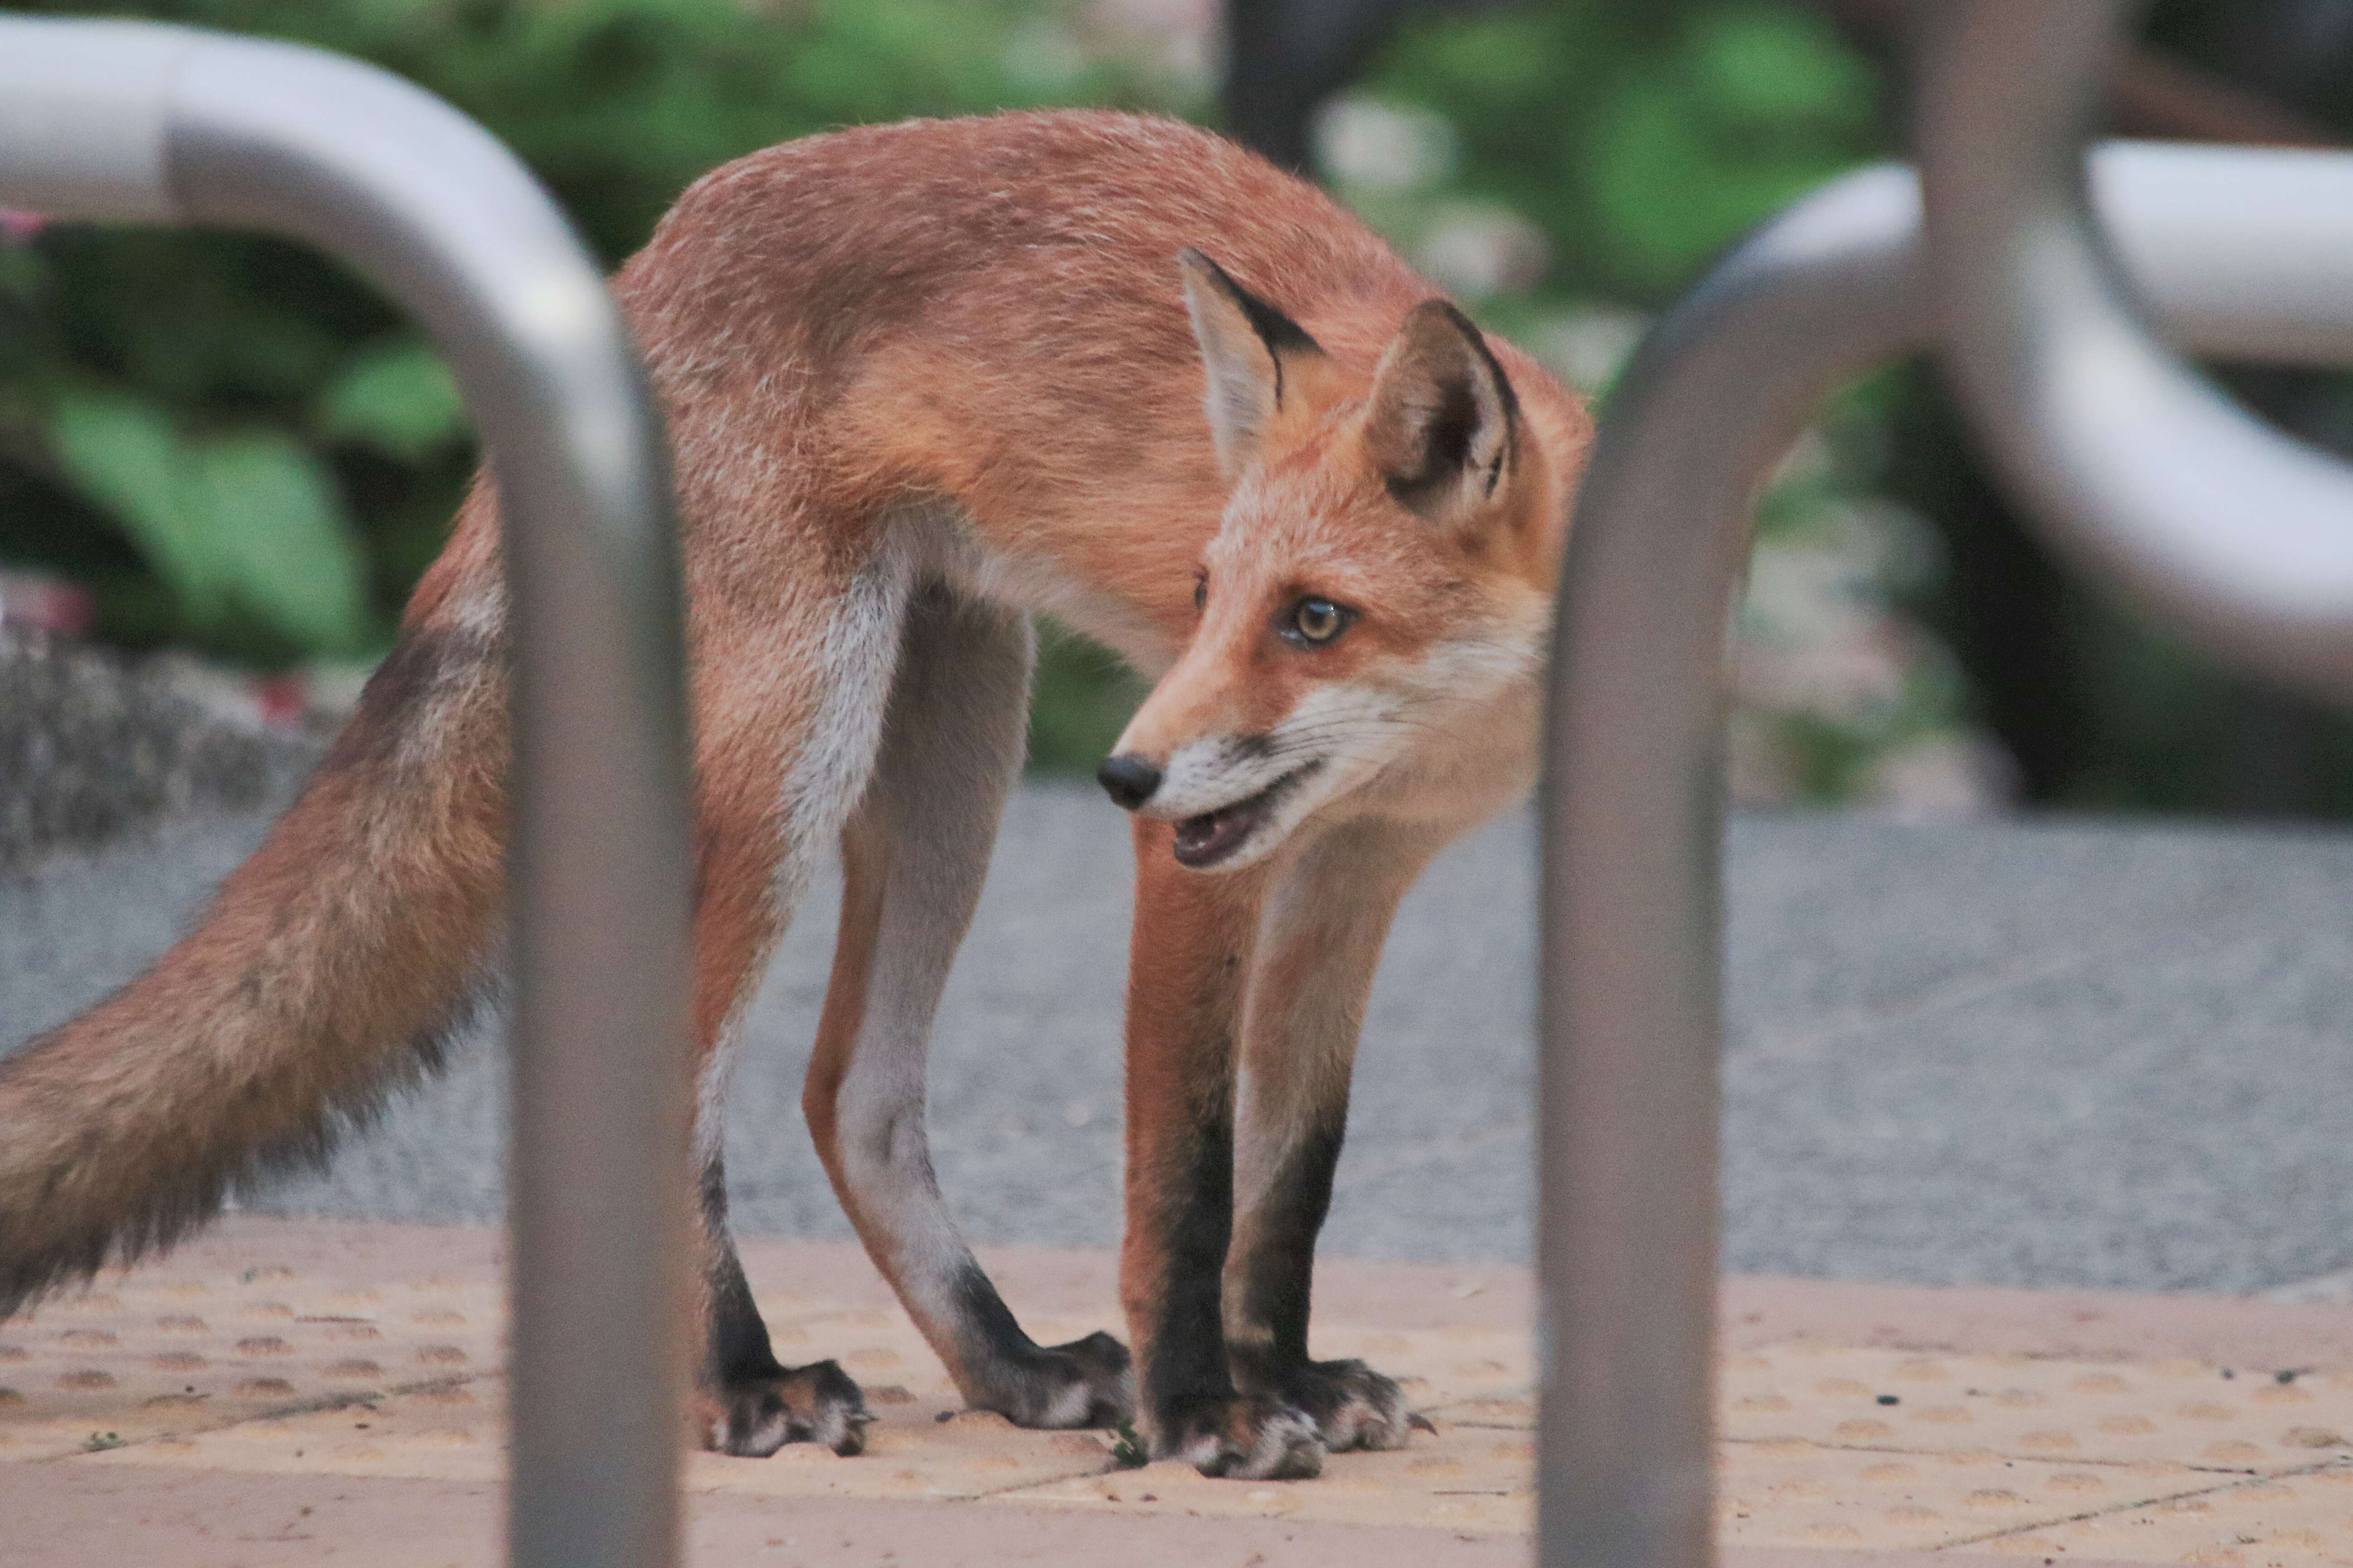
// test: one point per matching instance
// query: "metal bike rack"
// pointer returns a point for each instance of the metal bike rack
(2242, 254)
(2137, 466)
(162, 125)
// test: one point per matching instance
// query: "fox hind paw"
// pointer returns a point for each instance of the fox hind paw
(1086, 1383)
(753, 1417)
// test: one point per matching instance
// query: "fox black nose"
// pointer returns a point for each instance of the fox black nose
(1128, 779)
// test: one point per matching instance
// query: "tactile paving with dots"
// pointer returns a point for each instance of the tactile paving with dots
(162, 1351)
(1829, 1445)
(923, 1445)
(2258, 1420)
(2272, 1521)
(268, 1369)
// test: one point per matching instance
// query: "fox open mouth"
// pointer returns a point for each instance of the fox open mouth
(1203, 841)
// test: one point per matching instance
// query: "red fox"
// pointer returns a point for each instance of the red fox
(923, 381)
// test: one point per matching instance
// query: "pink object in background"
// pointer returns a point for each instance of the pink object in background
(292, 700)
(17, 226)
(46, 604)
(282, 700)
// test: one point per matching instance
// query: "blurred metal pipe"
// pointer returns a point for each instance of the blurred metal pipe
(1627, 1004)
(2137, 466)
(133, 121)
(1632, 805)
(2240, 257)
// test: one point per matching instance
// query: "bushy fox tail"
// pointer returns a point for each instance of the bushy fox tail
(328, 971)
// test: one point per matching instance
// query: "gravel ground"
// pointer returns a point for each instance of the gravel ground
(2051, 1055)
(94, 745)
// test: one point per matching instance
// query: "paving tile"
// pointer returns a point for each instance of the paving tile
(1790, 1492)
(1462, 1479)
(923, 1444)
(176, 1349)
(2077, 1426)
(2026, 1406)
(70, 1516)
(2296, 1521)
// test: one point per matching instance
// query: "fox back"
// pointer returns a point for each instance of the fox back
(973, 342)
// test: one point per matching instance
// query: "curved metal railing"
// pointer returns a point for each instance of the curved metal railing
(2242, 253)
(154, 124)
(1632, 970)
(2134, 463)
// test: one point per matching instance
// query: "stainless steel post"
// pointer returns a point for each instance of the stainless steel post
(2137, 466)
(1631, 811)
(163, 125)
(1631, 971)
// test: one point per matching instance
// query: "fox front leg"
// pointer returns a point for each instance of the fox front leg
(1319, 943)
(1188, 966)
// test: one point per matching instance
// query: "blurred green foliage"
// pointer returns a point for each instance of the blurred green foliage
(1642, 139)
(240, 447)
(1642, 142)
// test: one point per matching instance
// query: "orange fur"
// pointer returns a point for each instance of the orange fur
(944, 357)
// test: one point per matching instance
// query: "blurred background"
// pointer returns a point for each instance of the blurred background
(229, 449)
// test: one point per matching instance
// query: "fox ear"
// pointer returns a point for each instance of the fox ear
(1245, 344)
(1443, 424)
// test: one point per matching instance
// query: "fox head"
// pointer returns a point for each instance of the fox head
(1374, 608)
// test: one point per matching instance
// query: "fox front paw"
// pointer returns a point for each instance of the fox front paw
(1253, 1439)
(1352, 1406)
(753, 1417)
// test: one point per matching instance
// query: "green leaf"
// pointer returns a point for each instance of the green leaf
(1084, 699)
(23, 274)
(1769, 69)
(289, 552)
(1689, 149)
(398, 398)
(120, 453)
(251, 519)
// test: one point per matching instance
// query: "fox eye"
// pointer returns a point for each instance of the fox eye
(1201, 591)
(1313, 622)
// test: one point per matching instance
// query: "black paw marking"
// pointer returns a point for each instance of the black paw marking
(814, 1404)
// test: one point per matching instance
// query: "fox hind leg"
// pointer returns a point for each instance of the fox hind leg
(754, 854)
(914, 857)
(752, 1403)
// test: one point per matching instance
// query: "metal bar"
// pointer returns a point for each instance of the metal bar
(1632, 809)
(2137, 466)
(110, 120)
